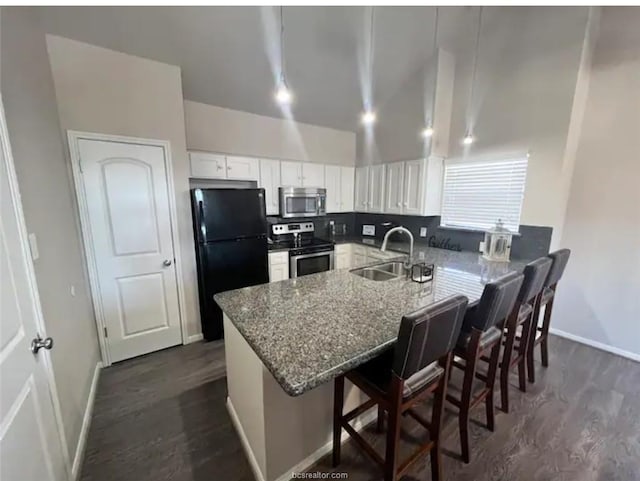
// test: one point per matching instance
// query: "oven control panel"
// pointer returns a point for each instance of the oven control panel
(280, 229)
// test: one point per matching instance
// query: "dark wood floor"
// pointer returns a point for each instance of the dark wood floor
(163, 417)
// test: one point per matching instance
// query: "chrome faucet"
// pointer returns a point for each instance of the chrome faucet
(404, 230)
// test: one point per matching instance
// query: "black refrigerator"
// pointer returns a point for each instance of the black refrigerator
(230, 230)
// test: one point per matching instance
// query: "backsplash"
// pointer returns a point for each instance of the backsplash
(321, 224)
(533, 242)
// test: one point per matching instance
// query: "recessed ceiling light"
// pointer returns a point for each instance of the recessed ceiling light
(427, 132)
(284, 95)
(368, 117)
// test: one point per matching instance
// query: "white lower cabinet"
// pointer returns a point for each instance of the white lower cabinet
(278, 266)
(342, 255)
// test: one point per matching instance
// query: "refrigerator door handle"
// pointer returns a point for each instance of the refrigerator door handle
(202, 227)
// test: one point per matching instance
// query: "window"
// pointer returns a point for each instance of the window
(478, 193)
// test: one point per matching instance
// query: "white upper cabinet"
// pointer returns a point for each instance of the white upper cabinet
(375, 197)
(361, 189)
(413, 187)
(243, 168)
(290, 173)
(347, 181)
(312, 175)
(339, 182)
(333, 183)
(270, 181)
(205, 165)
(393, 196)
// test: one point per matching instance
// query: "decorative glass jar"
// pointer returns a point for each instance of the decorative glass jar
(497, 243)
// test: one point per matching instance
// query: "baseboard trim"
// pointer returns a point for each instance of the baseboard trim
(597, 345)
(86, 424)
(194, 338)
(253, 462)
(364, 419)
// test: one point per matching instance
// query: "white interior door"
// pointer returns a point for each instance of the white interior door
(126, 193)
(30, 444)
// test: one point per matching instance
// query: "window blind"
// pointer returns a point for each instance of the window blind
(476, 194)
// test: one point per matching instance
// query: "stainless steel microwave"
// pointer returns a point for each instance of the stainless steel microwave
(302, 201)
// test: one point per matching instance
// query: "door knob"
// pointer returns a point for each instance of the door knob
(38, 343)
(167, 262)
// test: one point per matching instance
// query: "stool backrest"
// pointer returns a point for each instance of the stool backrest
(560, 259)
(497, 301)
(428, 334)
(535, 275)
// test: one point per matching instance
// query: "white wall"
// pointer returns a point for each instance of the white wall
(528, 66)
(100, 90)
(217, 129)
(599, 296)
(50, 212)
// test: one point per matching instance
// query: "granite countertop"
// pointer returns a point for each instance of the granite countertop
(309, 330)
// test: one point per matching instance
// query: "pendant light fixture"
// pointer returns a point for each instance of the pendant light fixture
(283, 95)
(368, 117)
(469, 138)
(428, 131)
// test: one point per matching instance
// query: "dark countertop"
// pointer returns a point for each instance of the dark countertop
(307, 331)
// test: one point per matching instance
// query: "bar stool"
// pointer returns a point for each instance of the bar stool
(480, 336)
(540, 334)
(401, 378)
(535, 274)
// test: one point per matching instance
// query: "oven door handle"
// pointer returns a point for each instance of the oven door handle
(315, 254)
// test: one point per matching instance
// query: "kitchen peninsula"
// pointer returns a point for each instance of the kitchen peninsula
(286, 340)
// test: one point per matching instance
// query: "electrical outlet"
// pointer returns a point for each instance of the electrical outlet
(423, 232)
(368, 229)
(481, 246)
(73, 291)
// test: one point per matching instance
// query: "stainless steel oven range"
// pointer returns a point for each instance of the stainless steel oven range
(307, 254)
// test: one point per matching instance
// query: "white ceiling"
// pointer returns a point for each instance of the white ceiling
(225, 52)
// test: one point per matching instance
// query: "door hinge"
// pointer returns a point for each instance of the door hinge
(80, 166)
(105, 332)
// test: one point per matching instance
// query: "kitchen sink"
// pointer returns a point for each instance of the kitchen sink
(396, 268)
(382, 272)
